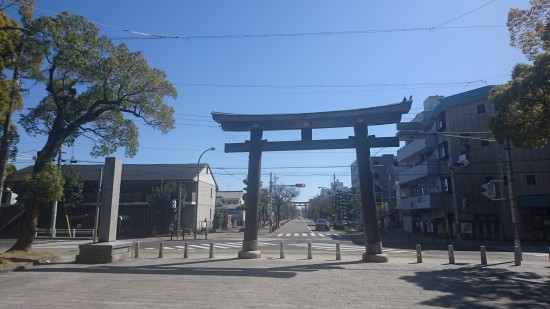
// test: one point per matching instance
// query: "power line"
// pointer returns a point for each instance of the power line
(154, 36)
(467, 13)
(295, 86)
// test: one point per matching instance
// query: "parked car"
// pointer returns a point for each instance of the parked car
(322, 225)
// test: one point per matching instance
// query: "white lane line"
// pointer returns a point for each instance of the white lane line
(200, 246)
(266, 244)
(221, 246)
(304, 234)
(233, 245)
(296, 234)
(280, 235)
(321, 234)
(288, 234)
(312, 234)
(183, 247)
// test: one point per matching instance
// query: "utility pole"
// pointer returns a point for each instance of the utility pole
(455, 166)
(54, 207)
(179, 214)
(511, 197)
(270, 202)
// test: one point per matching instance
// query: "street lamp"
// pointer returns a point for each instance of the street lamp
(197, 189)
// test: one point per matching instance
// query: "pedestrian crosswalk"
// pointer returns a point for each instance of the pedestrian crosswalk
(226, 245)
(345, 248)
(309, 234)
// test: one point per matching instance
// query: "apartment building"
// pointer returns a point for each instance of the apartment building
(451, 139)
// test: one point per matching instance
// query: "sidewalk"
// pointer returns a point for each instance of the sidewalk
(294, 282)
(400, 239)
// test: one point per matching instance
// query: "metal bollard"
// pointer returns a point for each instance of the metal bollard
(483, 256)
(338, 256)
(282, 250)
(185, 250)
(418, 253)
(161, 248)
(211, 254)
(136, 249)
(451, 254)
(309, 254)
(548, 254)
(517, 256)
(205, 234)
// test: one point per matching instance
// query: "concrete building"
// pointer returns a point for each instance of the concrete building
(136, 217)
(231, 200)
(456, 128)
(384, 169)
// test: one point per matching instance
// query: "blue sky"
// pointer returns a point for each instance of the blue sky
(466, 48)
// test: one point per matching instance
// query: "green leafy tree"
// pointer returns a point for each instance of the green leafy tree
(20, 58)
(220, 217)
(528, 28)
(161, 201)
(73, 187)
(281, 196)
(524, 102)
(92, 85)
(319, 207)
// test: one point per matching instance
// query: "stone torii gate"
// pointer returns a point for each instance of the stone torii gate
(359, 119)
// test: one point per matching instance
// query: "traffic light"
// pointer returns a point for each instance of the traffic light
(300, 185)
(489, 190)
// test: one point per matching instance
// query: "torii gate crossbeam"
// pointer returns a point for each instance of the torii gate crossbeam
(359, 119)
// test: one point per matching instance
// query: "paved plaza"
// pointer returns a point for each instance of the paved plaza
(271, 282)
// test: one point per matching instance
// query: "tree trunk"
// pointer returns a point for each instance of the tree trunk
(27, 229)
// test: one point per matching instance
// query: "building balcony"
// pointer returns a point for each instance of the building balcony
(419, 171)
(418, 146)
(432, 201)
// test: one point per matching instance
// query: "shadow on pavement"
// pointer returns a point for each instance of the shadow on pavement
(482, 287)
(201, 268)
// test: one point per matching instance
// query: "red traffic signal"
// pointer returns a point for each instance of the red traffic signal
(300, 185)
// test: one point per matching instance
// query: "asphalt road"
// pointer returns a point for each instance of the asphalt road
(295, 236)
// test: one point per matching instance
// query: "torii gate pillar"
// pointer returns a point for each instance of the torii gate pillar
(373, 246)
(250, 242)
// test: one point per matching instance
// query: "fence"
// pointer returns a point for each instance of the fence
(65, 233)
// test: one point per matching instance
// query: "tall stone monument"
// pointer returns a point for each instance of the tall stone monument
(108, 249)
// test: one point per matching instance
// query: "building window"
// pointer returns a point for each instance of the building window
(211, 191)
(446, 182)
(481, 109)
(531, 180)
(441, 124)
(443, 150)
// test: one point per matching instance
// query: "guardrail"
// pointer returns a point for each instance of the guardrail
(65, 233)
